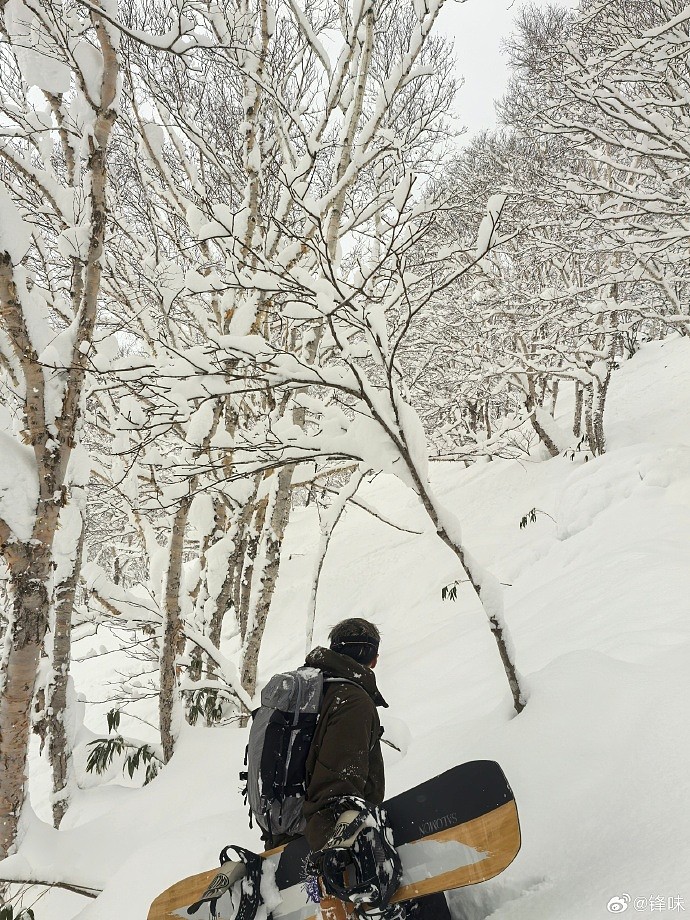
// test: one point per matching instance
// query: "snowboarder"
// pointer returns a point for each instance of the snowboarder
(345, 761)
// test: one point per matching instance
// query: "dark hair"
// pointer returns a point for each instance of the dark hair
(357, 638)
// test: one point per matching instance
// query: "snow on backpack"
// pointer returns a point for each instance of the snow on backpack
(276, 758)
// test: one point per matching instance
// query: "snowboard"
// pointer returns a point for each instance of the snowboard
(456, 829)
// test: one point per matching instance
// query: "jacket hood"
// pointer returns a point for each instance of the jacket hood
(333, 664)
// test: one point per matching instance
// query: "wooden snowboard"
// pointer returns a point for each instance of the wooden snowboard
(456, 829)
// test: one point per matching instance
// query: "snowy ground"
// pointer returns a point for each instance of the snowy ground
(599, 607)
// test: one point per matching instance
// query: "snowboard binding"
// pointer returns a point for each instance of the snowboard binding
(390, 912)
(360, 863)
(244, 875)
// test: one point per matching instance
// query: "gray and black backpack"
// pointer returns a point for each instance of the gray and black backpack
(279, 740)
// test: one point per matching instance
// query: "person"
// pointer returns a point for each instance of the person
(345, 760)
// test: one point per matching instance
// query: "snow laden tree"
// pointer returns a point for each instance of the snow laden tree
(313, 263)
(530, 321)
(608, 89)
(625, 73)
(478, 384)
(593, 266)
(199, 533)
(225, 537)
(59, 75)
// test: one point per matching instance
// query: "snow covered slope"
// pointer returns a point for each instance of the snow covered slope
(599, 609)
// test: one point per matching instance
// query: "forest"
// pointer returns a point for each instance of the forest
(255, 281)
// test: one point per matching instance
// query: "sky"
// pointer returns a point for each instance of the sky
(477, 28)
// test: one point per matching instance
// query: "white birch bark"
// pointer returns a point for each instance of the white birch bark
(265, 578)
(172, 644)
(29, 562)
(328, 522)
(60, 740)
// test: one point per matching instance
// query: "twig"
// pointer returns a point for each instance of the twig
(390, 744)
(368, 508)
(84, 890)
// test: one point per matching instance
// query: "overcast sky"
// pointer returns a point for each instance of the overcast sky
(477, 28)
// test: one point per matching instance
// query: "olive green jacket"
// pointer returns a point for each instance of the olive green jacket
(345, 756)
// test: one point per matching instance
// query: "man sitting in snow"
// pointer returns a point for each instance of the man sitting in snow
(345, 763)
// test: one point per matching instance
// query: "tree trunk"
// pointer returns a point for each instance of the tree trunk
(599, 401)
(59, 742)
(577, 419)
(328, 524)
(486, 587)
(252, 540)
(589, 419)
(236, 561)
(279, 508)
(473, 415)
(601, 389)
(531, 406)
(222, 604)
(543, 435)
(554, 397)
(25, 634)
(488, 592)
(173, 637)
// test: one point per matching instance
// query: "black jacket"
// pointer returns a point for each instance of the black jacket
(345, 756)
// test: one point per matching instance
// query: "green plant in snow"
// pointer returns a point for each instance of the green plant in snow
(7, 913)
(104, 750)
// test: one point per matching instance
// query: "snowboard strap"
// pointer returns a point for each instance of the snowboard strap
(360, 863)
(246, 873)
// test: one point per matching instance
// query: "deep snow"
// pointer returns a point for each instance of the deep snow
(599, 611)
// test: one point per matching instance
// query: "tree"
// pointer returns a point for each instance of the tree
(313, 250)
(591, 267)
(58, 110)
(606, 88)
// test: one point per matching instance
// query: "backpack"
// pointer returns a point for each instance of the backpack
(276, 757)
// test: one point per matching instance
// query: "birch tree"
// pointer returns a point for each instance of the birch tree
(613, 89)
(59, 72)
(319, 279)
(593, 267)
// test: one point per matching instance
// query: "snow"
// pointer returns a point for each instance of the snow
(73, 243)
(446, 856)
(65, 551)
(487, 228)
(561, 438)
(38, 57)
(596, 598)
(18, 484)
(15, 233)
